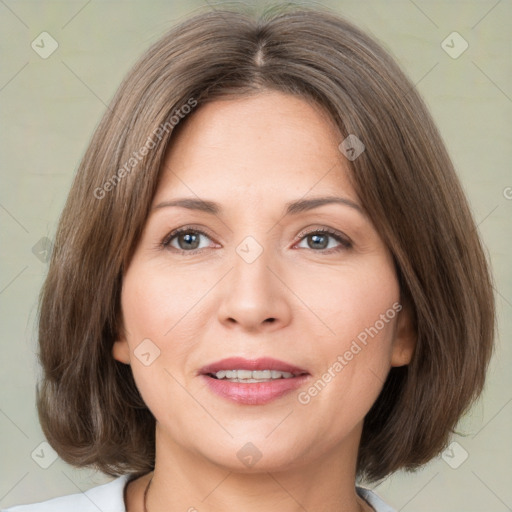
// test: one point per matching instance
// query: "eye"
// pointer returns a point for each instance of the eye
(318, 240)
(185, 239)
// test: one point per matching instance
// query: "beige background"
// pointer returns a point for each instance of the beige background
(50, 107)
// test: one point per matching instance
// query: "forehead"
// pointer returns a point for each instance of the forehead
(270, 143)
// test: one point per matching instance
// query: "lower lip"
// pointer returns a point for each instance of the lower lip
(254, 393)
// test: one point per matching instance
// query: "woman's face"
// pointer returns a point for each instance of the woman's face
(312, 317)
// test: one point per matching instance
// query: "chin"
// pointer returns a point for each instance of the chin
(244, 454)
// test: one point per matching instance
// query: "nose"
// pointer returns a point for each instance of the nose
(254, 296)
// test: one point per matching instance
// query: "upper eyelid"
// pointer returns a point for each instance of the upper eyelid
(325, 230)
(175, 232)
(342, 238)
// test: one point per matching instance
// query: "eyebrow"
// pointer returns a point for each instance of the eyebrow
(291, 208)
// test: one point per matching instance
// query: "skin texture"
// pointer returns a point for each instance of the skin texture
(253, 155)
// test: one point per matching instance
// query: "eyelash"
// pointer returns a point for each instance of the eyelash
(344, 242)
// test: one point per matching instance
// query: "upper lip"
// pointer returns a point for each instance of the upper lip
(262, 363)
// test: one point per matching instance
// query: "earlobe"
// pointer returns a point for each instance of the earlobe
(121, 351)
(405, 339)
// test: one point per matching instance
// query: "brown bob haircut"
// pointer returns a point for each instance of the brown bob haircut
(88, 404)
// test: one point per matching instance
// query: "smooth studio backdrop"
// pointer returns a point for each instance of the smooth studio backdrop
(54, 88)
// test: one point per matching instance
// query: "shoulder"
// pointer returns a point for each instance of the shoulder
(374, 500)
(108, 497)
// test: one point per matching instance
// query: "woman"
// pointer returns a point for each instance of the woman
(266, 284)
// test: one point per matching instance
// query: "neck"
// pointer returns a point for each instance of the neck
(185, 481)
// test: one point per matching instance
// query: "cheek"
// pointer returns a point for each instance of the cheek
(359, 309)
(151, 315)
(355, 300)
(157, 303)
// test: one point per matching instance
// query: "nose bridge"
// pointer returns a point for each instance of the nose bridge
(251, 275)
(253, 294)
(254, 250)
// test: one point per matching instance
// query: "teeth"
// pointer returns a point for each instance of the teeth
(263, 374)
(252, 376)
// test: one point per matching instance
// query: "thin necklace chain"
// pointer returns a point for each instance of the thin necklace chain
(146, 495)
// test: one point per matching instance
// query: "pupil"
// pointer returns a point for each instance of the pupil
(188, 237)
(316, 239)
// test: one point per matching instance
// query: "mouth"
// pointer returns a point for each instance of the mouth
(249, 377)
(252, 381)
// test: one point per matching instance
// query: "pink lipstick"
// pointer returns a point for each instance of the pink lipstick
(252, 381)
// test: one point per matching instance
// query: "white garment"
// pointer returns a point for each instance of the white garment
(109, 497)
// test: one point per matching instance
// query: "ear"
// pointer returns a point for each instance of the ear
(121, 350)
(405, 338)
